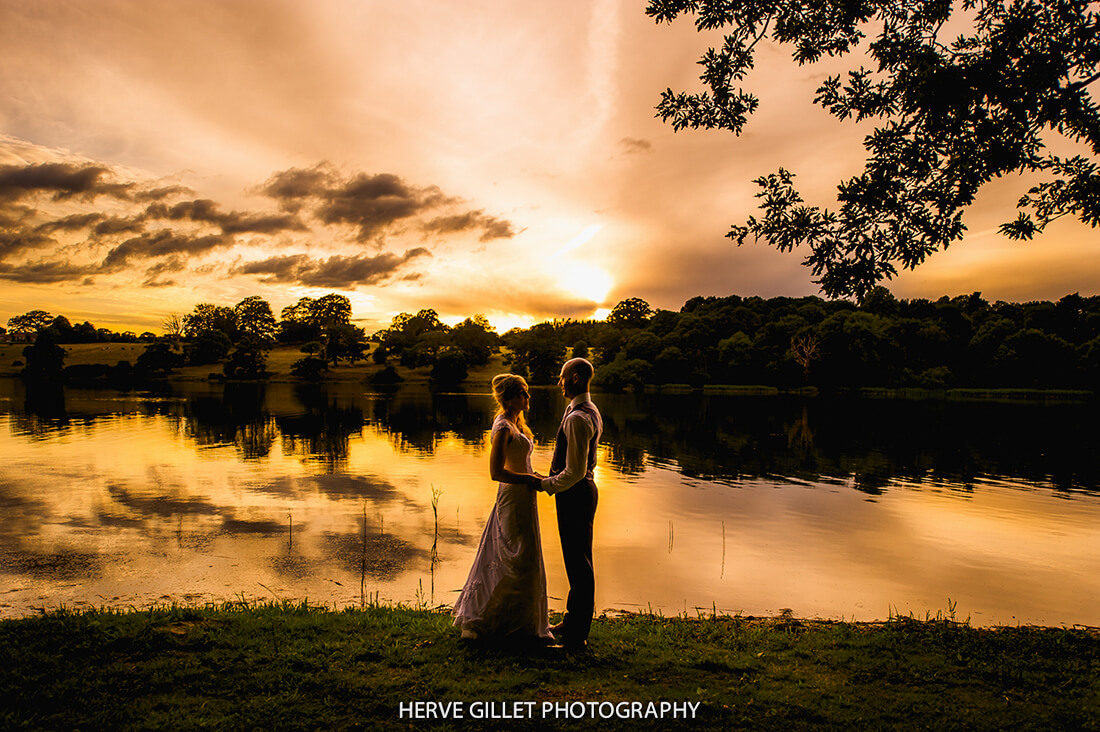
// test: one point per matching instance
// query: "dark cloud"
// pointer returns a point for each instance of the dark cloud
(490, 226)
(46, 272)
(160, 244)
(232, 222)
(115, 225)
(636, 145)
(62, 180)
(76, 222)
(375, 203)
(280, 269)
(166, 266)
(19, 240)
(293, 188)
(159, 194)
(201, 210)
(372, 203)
(336, 271)
(161, 227)
(235, 223)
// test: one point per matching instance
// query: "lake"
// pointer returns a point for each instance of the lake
(851, 508)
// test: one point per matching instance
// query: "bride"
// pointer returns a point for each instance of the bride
(505, 595)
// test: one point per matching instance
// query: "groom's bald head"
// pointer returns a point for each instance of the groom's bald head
(576, 375)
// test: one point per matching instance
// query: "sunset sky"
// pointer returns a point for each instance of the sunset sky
(480, 157)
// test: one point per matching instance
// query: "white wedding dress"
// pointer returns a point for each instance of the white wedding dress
(505, 594)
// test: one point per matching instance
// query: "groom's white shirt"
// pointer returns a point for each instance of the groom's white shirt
(578, 433)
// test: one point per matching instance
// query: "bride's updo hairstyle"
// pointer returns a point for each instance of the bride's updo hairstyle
(507, 387)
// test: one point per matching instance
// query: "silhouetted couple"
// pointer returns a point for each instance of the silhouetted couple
(504, 599)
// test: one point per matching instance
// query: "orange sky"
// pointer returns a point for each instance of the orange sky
(487, 156)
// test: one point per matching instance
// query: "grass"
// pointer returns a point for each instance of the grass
(296, 666)
(279, 361)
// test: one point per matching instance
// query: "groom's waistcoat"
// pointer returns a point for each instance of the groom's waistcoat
(561, 442)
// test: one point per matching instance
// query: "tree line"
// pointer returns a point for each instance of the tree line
(963, 341)
(884, 341)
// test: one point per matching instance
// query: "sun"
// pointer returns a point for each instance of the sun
(588, 282)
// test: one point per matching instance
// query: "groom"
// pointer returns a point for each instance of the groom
(571, 484)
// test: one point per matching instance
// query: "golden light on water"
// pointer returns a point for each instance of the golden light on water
(147, 502)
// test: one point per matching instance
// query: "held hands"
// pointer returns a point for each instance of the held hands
(535, 480)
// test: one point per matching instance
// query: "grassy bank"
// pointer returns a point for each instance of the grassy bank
(300, 667)
(279, 362)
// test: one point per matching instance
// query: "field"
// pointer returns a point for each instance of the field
(293, 666)
(278, 363)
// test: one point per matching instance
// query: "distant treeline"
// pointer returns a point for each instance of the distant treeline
(963, 341)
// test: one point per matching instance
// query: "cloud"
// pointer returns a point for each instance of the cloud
(46, 272)
(336, 271)
(232, 222)
(116, 225)
(634, 145)
(491, 226)
(18, 240)
(162, 243)
(373, 204)
(146, 232)
(63, 180)
(76, 222)
(159, 194)
(293, 188)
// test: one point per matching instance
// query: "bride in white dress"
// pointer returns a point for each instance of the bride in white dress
(505, 595)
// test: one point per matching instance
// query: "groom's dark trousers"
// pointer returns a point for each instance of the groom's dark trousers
(576, 512)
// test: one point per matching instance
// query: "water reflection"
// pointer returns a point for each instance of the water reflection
(836, 508)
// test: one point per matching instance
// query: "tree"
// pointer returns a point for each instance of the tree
(63, 328)
(347, 342)
(477, 338)
(450, 366)
(630, 313)
(406, 330)
(30, 322)
(158, 358)
(330, 310)
(173, 326)
(536, 352)
(44, 360)
(248, 361)
(209, 346)
(207, 316)
(805, 350)
(314, 320)
(255, 319)
(953, 115)
(309, 368)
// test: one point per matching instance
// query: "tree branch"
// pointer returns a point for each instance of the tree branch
(763, 34)
(1085, 82)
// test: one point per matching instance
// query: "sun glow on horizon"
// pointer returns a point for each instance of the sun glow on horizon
(588, 282)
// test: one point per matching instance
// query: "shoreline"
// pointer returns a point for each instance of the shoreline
(480, 376)
(296, 666)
